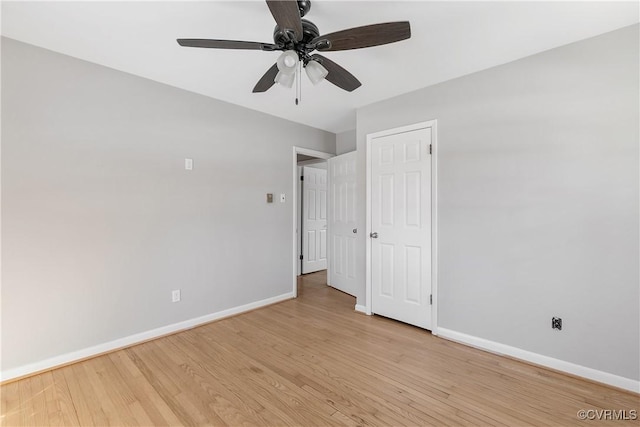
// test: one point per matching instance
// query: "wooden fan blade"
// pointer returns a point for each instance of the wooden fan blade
(287, 16)
(338, 75)
(266, 81)
(367, 36)
(226, 44)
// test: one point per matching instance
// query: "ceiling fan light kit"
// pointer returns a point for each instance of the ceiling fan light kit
(285, 79)
(298, 38)
(316, 72)
(287, 62)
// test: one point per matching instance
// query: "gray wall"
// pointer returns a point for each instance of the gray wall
(346, 142)
(538, 200)
(100, 221)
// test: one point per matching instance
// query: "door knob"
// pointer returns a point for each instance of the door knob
(373, 235)
(355, 230)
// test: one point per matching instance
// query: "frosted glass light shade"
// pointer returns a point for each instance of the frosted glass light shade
(285, 79)
(287, 62)
(316, 72)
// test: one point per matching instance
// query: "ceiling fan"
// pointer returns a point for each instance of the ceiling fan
(298, 38)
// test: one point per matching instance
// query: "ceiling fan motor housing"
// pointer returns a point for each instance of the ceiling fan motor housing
(309, 32)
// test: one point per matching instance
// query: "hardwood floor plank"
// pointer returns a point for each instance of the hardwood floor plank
(113, 404)
(10, 411)
(148, 398)
(87, 409)
(51, 400)
(68, 413)
(146, 403)
(165, 385)
(141, 416)
(39, 402)
(310, 361)
(26, 398)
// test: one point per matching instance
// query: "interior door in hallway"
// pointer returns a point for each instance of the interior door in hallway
(341, 272)
(314, 220)
(401, 226)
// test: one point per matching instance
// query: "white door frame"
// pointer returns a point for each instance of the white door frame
(296, 259)
(434, 214)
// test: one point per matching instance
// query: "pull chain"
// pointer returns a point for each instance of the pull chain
(298, 82)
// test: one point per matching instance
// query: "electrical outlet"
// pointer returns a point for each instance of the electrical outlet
(556, 323)
(175, 295)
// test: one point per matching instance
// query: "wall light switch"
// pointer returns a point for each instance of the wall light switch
(269, 197)
(188, 164)
(283, 198)
(175, 295)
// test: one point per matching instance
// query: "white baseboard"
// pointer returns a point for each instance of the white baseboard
(538, 359)
(96, 350)
(361, 308)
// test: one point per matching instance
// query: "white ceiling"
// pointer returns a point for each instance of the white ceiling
(449, 39)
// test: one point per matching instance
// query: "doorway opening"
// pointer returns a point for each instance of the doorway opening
(308, 248)
(312, 215)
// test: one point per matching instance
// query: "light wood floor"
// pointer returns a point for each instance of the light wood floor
(309, 361)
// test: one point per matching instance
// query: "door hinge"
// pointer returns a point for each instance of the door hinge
(301, 257)
(430, 299)
(430, 148)
(301, 177)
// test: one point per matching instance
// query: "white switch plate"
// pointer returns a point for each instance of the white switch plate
(188, 164)
(283, 198)
(175, 295)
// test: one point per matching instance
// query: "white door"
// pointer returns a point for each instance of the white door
(401, 226)
(314, 220)
(341, 271)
